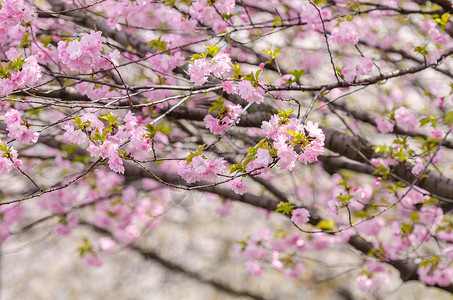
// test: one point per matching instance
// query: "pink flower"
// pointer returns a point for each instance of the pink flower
(263, 158)
(107, 245)
(200, 70)
(199, 164)
(221, 64)
(186, 172)
(73, 136)
(245, 89)
(300, 216)
(418, 166)
(314, 131)
(84, 55)
(130, 121)
(275, 260)
(12, 117)
(365, 66)
(228, 88)
(22, 134)
(438, 37)
(286, 154)
(375, 275)
(384, 125)
(18, 131)
(349, 73)
(238, 187)
(377, 182)
(116, 163)
(92, 260)
(217, 166)
(127, 234)
(5, 165)
(249, 93)
(200, 168)
(254, 268)
(431, 215)
(214, 125)
(438, 157)
(65, 227)
(345, 34)
(437, 134)
(405, 119)
(288, 77)
(371, 227)
(225, 6)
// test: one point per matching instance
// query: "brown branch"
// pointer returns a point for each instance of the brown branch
(352, 147)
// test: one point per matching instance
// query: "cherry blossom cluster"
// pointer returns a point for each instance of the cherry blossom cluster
(8, 158)
(345, 34)
(197, 166)
(18, 128)
(203, 66)
(82, 54)
(228, 112)
(18, 73)
(373, 276)
(12, 14)
(294, 140)
(252, 92)
(105, 140)
(352, 72)
(343, 195)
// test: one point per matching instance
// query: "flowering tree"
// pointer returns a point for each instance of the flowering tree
(334, 114)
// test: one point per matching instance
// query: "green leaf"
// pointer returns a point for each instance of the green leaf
(213, 50)
(77, 120)
(285, 208)
(236, 168)
(350, 17)
(421, 50)
(278, 21)
(448, 118)
(297, 75)
(273, 52)
(200, 149)
(158, 44)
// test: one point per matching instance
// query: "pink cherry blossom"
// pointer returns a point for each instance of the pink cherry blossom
(238, 187)
(418, 166)
(200, 70)
(345, 34)
(107, 245)
(249, 93)
(82, 55)
(300, 216)
(73, 136)
(228, 87)
(405, 119)
(384, 125)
